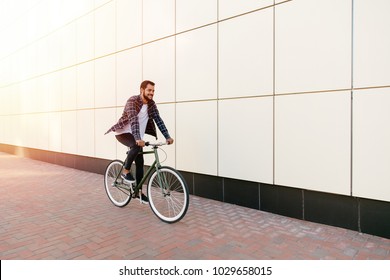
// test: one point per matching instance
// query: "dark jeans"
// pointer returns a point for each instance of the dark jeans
(128, 140)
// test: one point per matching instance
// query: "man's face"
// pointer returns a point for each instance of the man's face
(148, 92)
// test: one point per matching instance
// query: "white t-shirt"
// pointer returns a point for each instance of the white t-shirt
(143, 118)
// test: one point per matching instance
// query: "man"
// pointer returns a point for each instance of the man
(137, 119)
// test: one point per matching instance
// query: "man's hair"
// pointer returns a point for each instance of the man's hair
(145, 83)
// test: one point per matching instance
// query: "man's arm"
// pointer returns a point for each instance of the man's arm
(161, 125)
(132, 110)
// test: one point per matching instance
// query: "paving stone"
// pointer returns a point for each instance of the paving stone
(55, 212)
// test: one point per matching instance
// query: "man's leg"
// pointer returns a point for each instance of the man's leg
(139, 164)
(139, 174)
(128, 140)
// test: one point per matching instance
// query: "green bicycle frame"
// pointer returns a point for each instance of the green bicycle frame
(155, 166)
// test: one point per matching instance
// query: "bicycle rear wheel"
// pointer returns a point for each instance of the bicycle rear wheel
(168, 195)
(118, 192)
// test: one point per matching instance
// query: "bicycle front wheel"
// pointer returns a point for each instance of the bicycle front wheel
(117, 191)
(168, 195)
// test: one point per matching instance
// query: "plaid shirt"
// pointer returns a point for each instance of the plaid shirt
(130, 114)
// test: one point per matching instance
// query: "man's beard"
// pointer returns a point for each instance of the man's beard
(147, 98)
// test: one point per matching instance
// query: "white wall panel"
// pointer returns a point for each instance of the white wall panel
(9, 122)
(105, 35)
(371, 144)
(230, 8)
(17, 99)
(42, 59)
(9, 127)
(246, 58)
(68, 11)
(41, 131)
(128, 74)
(312, 45)
(313, 141)
(13, 66)
(158, 19)
(86, 85)
(166, 153)
(196, 62)
(46, 91)
(23, 132)
(31, 61)
(68, 45)
(99, 3)
(69, 88)
(196, 133)
(26, 97)
(42, 97)
(245, 140)
(7, 69)
(55, 132)
(3, 95)
(86, 132)
(120, 148)
(105, 82)
(105, 145)
(54, 46)
(3, 126)
(35, 131)
(14, 129)
(128, 23)
(83, 7)
(24, 64)
(55, 15)
(6, 135)
(85, 38)
(371, 43)
(194, 13)
(54, 91)
(159, 67)
(69, 132)
(32, 95)
(11, 97)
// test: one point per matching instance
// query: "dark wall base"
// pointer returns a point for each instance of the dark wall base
(359, 214)
(89, 164)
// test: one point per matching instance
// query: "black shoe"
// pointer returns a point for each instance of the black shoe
(144, 199)
(128, 178)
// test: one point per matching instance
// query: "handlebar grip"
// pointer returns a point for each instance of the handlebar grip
(147, 143)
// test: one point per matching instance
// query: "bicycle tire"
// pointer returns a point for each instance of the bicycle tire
(118, 193)
(168, 194)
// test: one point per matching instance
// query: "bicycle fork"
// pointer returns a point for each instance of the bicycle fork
(162, 180)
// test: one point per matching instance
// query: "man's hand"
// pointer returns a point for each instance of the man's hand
(140, 143)
(170, 141)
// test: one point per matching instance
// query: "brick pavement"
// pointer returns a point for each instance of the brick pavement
(53, 212)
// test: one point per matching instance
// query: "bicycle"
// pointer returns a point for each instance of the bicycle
(166, 189)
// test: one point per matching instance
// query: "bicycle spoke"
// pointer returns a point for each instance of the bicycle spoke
(168, 195)
(118, 193)
(175, 207)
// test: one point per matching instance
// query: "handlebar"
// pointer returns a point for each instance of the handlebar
(158, 144)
